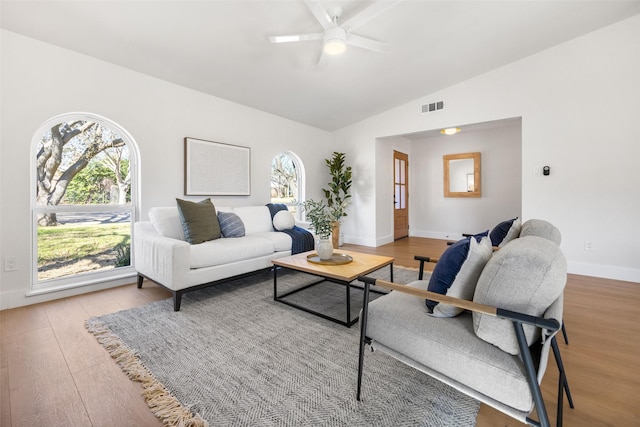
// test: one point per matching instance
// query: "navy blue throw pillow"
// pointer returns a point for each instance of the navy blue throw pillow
(479, 236)
(500, 231)
(446, 269)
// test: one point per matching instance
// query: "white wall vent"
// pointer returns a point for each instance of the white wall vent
(432, 106)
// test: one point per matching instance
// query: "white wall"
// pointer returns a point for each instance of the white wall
(579, 104)
(39, 81)
(436, 216)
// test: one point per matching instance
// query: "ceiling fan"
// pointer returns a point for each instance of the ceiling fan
(337, 36)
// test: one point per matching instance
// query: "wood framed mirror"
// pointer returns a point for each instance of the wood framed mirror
(462, 175)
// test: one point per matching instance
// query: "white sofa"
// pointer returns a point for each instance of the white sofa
(162, 255)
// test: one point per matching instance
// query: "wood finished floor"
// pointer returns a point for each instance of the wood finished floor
(54, 373)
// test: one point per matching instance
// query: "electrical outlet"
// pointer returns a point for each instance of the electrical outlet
(587, 245)
(10, 264)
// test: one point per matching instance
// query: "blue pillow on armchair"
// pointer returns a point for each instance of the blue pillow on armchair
(504, 232)
(457, 273)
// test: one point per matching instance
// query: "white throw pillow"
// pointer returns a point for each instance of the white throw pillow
(283, 220)
(166, 221)
(513, 233)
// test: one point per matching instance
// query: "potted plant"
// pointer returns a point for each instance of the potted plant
(319, 215)
(338, 194)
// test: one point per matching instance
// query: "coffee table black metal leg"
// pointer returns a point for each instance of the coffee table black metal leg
(275, 283)
(348, 318)
(391, 272)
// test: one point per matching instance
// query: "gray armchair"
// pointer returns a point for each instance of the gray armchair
(506, 231)
(496, 351)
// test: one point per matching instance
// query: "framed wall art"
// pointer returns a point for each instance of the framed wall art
(216, 169)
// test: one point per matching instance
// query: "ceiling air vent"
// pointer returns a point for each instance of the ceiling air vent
(432, 106)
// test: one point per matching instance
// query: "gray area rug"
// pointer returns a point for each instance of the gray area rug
(234, 357)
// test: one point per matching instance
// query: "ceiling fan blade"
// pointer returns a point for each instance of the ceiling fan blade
(366, 43)
(368, 14)
(320, 12)
(295, 38)
(322, 59)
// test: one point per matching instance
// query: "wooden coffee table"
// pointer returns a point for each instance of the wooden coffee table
(343, 274)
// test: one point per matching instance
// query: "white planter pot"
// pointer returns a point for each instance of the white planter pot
(324, 247)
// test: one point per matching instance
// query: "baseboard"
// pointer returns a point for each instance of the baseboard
(354, 240)
(389, 238)
(604, 271)
(436, 235)
(384, 240)
(13, 299)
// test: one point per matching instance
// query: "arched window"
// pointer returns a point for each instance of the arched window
(287, 181)
(85, 181)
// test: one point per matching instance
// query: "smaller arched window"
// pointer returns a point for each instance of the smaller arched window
(287, 181)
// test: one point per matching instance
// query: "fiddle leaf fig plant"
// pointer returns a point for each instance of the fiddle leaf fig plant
(338, 194)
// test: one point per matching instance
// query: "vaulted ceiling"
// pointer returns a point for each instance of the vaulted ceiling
(221, 48)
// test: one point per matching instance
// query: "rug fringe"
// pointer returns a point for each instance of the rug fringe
(161, 402)
(410, 268)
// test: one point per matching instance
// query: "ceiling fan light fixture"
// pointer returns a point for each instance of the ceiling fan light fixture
(335, 41)
(450, 131)
(334, 47)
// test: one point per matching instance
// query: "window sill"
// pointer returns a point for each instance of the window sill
(42, 289)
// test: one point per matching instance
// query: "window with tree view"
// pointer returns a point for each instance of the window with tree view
(287, 176)
(83, 203)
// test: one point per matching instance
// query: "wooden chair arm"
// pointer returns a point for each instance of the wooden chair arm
(550, 324)
(421, 293)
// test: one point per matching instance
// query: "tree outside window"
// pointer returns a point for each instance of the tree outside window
(286, 181)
